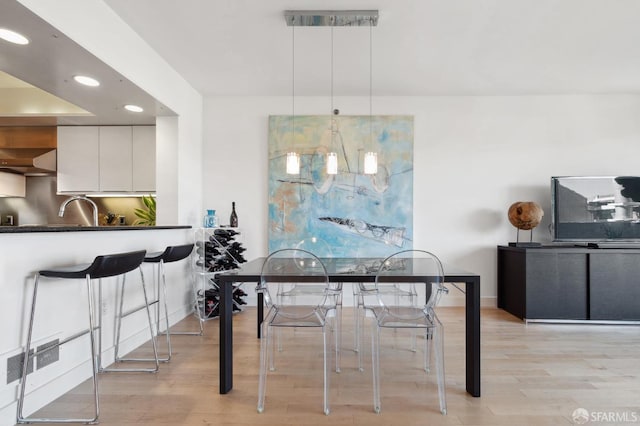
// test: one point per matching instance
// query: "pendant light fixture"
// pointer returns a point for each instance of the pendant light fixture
(293, 159)
(370, 157)
(347, 18)
(332, 157)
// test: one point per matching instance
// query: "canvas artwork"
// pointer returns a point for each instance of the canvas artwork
(349, 214)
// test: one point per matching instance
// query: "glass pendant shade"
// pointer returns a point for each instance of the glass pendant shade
(370, 157)
(293, 163)
(332, 163)
(370, 163)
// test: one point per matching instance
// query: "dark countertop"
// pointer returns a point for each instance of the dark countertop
(75, 228)
(622, 247)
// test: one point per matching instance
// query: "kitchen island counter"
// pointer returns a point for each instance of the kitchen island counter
(62, 306)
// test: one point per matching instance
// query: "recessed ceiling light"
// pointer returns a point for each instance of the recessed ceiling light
(133, 108)
(13, 37)
(87, 81)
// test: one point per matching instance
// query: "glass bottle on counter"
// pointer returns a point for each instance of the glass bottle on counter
(210, 219)
(233, 220)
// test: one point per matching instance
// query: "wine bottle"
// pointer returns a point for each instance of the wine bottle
(233, 220)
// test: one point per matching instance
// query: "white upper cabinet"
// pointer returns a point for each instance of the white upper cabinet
(93, 159)
(115, 158)
(144, 159)
(78, 159)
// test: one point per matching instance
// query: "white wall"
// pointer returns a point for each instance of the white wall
(167, 190)
(474, 157)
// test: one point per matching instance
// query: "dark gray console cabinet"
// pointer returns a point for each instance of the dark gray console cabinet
(569, 283)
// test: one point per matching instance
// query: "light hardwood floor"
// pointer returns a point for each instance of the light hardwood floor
(535, 374)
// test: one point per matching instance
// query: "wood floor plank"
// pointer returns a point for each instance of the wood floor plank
(532, 374)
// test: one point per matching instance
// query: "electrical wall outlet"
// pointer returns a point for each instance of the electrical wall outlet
(50, 356)
(14, 366)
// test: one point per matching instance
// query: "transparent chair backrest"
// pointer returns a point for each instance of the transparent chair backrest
(294, 267)
(315, 245)
(412, 263)
(322, 249)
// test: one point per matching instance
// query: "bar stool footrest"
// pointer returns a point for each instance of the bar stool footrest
(44, 420)
(139, 308)
(181, 333)
(128, 370)
(143, 359)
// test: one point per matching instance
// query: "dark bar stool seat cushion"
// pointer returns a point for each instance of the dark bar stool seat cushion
(170, 254)
(101, 267)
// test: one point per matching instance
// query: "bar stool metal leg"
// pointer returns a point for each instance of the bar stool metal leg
(166, 312)
(171, 254)
(153, 337)
(25, 366)
(94, 365)
(161, 289)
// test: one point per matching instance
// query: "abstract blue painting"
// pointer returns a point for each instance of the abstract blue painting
(348, 214)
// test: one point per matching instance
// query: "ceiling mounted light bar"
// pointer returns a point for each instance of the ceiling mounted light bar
(331, 18)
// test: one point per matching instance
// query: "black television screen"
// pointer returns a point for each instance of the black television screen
(595, 208)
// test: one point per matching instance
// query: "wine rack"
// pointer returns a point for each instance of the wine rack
(217, 250)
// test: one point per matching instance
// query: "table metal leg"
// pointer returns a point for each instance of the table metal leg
(226, 336)
(472, 335)
(260, 315)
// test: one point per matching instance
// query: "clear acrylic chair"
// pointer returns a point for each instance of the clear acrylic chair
(407, 292)
(295, 267)
(392, 312)
(292, 291)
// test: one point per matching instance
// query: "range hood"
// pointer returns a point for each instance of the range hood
(28, 150)
(28, 161)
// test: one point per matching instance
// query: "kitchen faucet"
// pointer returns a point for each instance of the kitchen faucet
(76, 198)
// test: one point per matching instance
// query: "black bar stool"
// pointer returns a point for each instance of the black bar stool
(170, 254)
(101, 267)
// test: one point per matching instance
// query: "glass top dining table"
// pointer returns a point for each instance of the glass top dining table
(352, 270)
